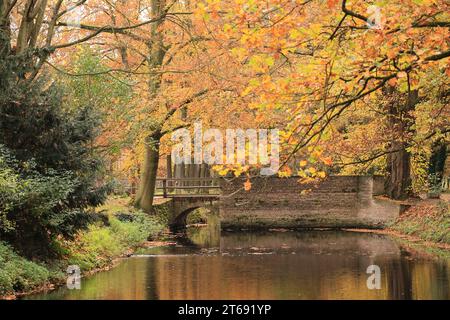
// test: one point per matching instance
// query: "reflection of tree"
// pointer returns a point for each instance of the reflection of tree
(314, 272)
(412, 276)
(151, 280)
(326, 265)
(400, 276)
(444, 270)
(430, 280)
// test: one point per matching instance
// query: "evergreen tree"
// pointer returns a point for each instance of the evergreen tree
(49, 171)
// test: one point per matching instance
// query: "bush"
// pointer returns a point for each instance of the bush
(92, 248)
(49, 171)
(99, 245)
(18, 274)
(35, 207)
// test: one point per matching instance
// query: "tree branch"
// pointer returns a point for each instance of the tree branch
(386, 152)
(438, 56)
(183, 103)
(352, 13)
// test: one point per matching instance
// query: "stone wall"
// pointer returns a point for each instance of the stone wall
(272, 202)
(378, 185)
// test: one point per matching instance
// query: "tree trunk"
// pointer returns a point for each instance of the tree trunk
(5, 30)
(146, 191)
(399, 168)
(398, 183)
(156, 52)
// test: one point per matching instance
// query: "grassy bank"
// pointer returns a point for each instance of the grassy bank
(20, 275)
(117, 232)
(427, 220)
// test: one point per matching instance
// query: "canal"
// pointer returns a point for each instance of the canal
(209, 264)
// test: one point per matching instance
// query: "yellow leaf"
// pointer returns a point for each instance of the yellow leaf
(227, 27)
(238, 172)
(294, 34)
(223, 172)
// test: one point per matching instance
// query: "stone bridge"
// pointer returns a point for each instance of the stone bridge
(187, 195)
(182, 207)
(273, 202)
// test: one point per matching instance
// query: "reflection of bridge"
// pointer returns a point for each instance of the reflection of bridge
(188, 194)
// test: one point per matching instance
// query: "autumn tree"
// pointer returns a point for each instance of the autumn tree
(142, 39)
(321, 60)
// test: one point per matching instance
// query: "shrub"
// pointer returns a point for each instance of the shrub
(97, 246)
(140, 228)
(49, 171)
(35, 207)
(18, 274)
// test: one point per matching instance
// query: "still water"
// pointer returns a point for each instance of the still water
(208, 264)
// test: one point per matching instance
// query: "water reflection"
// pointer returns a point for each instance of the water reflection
(271, 265)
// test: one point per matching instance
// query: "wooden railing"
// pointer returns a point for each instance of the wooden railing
(187, 187)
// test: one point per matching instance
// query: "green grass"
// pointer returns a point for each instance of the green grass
(93, 248)
(116, 204)
(19, 274)
(429, 222)
(100, 245)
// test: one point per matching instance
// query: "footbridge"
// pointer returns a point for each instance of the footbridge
(188, 194)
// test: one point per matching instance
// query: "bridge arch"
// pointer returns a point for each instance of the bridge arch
(182, 207)
(180, 219)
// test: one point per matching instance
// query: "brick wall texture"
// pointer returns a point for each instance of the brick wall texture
(272, 202)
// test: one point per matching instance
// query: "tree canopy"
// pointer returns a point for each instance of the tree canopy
(355, 86)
